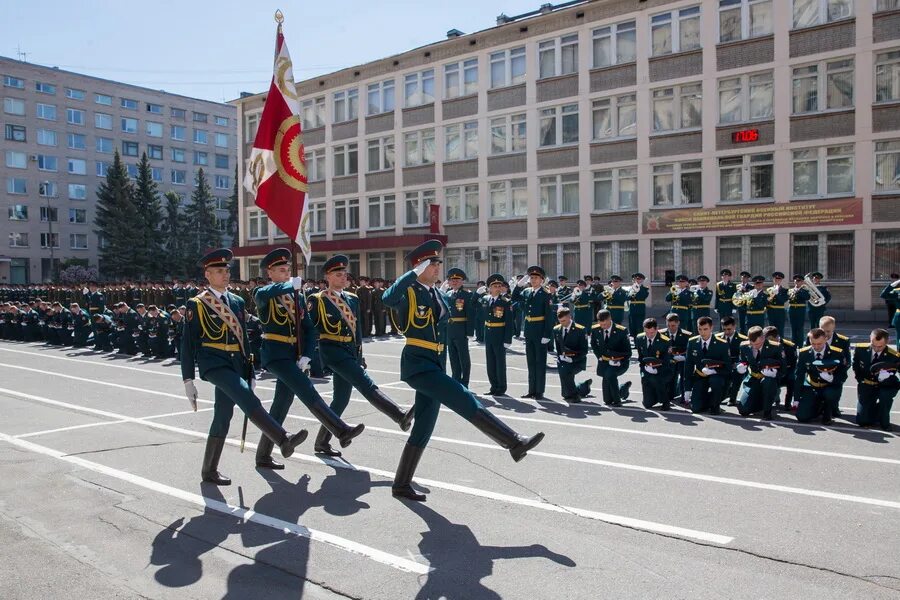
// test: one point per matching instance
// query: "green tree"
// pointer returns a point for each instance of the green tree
(233, 208)
(149, 216)
(117, 223)
(201, 232)
(172, 232)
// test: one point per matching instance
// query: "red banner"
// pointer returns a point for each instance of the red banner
(435, 214)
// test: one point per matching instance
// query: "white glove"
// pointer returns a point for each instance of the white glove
(303, 363)
(679, 358)
(882, 375)
(741, 368)
(687, 395)
(481, 290)
(651, 370)
(507, 346)
(512, 282)
(85, 291)
(420, 268)
(523, 281)
(297, 282)
(614, 363)
(896, 283)
(545, 340)
(190, 390)
(769, 373)
(707, 371)
(252, 384)
(566, 359)
(829, 377)
(445, 286)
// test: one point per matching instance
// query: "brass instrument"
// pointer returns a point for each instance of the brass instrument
(772, 292)
(742, 299)
(815, 296)
(633, 290)
(608, 292)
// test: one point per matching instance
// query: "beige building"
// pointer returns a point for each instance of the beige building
(60, 131)
(615, 136)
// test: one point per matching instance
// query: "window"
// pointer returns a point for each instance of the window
(104, 145)
(154, 152)
(315, 165)
(77, 216)
(559, 125)
(746, 98)
(18, 240)
(16, 160)
(222, 182)
(156, 174)
(887, 5)
(132, 171)
(317, 212)
(828, 253)
(73, 94)
(681, 255)
(346, 160)
(676, 31)
(16, 185)
(200, 136)
(887, 76)
(44, 111)
(743, 178)
(677, 184)
(382, 264)
(418, 207)
(103, 121)
(742, 19)
(178, 132)
(18, 212)
(154, 129)
(76, 141)
(461, 203)
(13, 82)
(221, 140)
(887, 166)
(78, 241)
(178, 155)
(461, 141)
(813, 93)
(885, 254)
(48, 189)
(380, 97)
(419, 147)
(418, 88)
(47, 238)
(814, 12)
(614, 45)
(102, 168)
(464, 85)
(199, 117)
(821, 172)
(614, 117)
(382, 212)
(346, 214)
(508, 134)
(221, 161)
(14, 106)
(130, 148)
(201, 158)
(14, 133)
(129, 125)
(103, 99)
(755, 253)
(129, 104)
(509, 199)
(77, 191)
(677, 107)
(177, 113)
(559, 195)
(508, 259)
(44, 88)
(312, 112)
(179, 176)
(615, 189)
(346, 105)
(46, 137)
(508, 67)
(558, 57)
(77, 166)
(221, 121)
(258, 225)
(380, 154)
(614, 258)
(47, 163)
(559, 258)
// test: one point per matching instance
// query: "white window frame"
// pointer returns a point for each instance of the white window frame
(508, 67)
(153, 126)
(258, 224)
(75, 94)
(881, 5)
(613, 107)
(747, 83)
(72, 140)
(222, 182)
(513, 130)
(47, 239)
(48, 189)
(461, 203)
(554, 117)
(824, 71)
(16, 160)
(884, 253)
(74, 238)
(346, 105)
(417, 141)
(177, 155)
(552, 194)
(380, 204)
(201, 158)
(513, 194)
(825, 158)
(674, 20)
(888, 62)
(465, 136)
(175, 177)
(13, 82)
(613, 33)
(615, 177)
(44, 135)
(748, 161)
(75, 116)
(103, 99)
(16, 106)
(461, 78)
(745, 8)
(343, 159)
(676, 170)
(822, 12)
(77, 191)
(72, 166)
(561, 53)
(350, 209)
(124, 121)
(17, 212)
(42, 87)
(44, 162)
(201, 136)
(173, 129)
(315, 164)
(101, 120)
(383, 151)
(221, 140)
(312, 113)
(418, 88)
(128, 104)
(821, 243)
(317, 217)
(887, 149)
(130, 148)
(420, 202)
(382, 93)
(41, 110)
(677, 96)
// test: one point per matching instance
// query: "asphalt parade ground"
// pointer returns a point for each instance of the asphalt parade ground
(100, 496)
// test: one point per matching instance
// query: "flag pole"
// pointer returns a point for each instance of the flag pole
(295, 268)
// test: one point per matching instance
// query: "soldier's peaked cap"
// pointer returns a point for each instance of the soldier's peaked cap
(495, 278)
(275, 258)
(336, 263)
(455, 273)
(536, 270)
(430, 250)
(217, 258)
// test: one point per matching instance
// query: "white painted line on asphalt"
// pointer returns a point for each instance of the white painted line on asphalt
(70, 428)
(250, 516)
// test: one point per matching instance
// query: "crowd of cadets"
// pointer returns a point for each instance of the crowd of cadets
(744, 363)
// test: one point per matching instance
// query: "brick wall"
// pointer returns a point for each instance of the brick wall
(744, 53)
(420, 115)
(559, 158)
(381, 180)
(823, 38)
(418, 175)
(823, 126)
(506, 164)
(557, 87)
(460, 107)
(613, 151)
(507, 230)
(379, 123)
(610, 78)
(463, 169)
(683, 64)
(506, 97)
(617, 223)
(677, 143)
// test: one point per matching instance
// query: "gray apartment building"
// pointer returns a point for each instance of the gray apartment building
(615, 136)
(60, 131)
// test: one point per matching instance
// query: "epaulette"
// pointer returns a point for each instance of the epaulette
(595, 326)
(640, 335)
(842, 336)
(686, 332)
(805, 348)
(577, 326)
(773, 343)
(863, 344)
(746, 343)
(835, 349)
(719, 336)
(352, 294)
(694, 337)
(741, 336)
(663, 337)
(622, 327)
(557, 327)
(892, 351)
(788, 343)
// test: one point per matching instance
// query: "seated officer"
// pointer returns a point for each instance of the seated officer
(706, 369)
(656, 365)
(730, 336)
(571, 343)
(79, 324)
(761, 363)
(678, 341)
(498, 332)
(611, 346)
(821, 372)
(875, 366)
(789, 356)
(103, 326)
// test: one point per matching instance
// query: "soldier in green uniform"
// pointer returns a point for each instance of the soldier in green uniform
(215, 341)
(821, 372)
(798, 296)
(756, 308)
(571, 340)
(280, 356)
(875, 367)
(778, 297)
(637, 304)
(461, 325)
(725, 290)
(156, 326)
(335, 314)
(175, 331)
(706, 370)
(537, 306)
(681, 299)
(615, 302)
(743, 287)
(611, 346)
(498, 333)
(678, 341)
(761, 363)
(733, 339)
(789, 357)
(564, 292)
(817, 312)
(655, 358)
(701, 300)
(891, 294)
(423, 315)
(80, 324)
(480, 291)
(103, 326)
(583, 305)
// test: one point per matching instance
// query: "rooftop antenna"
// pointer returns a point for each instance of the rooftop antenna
(23, 56)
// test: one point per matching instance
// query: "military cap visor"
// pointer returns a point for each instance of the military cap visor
(770, 363)
(338, 262)
(651, 361)
(495, 278)
(703, 278)
(745, 274)
(638, 276)
(759, 279)
(217, 258)
(276, 258)
(725, 272)
(885, 365)
(777, 275)
(615, 278)
(826, 363)
(712, 363)
(430, 250)
(818, 275)
(681, 278)
(798, 277)
(536, 270)
(456, 274)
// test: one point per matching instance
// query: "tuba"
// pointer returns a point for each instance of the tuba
(815, 296)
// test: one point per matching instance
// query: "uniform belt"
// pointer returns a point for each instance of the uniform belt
(503, 324)
(771, 306)
(533, 319)
(458, 319)
(814, 384)
(797, 305)
(870, 382)
(756, 312)
(638, 301)
(724, 300)
(433, 346)
(274, 337)
(622, 307)
(680, 307)
(93, 308)
(336, 338)
(223, 347)
(570, 354)
(582, 306)
(701, 306)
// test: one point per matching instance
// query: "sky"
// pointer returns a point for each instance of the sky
(216, 49)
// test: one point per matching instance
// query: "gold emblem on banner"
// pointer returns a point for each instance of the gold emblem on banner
(289, 154)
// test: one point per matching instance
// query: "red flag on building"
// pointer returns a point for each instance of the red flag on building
(276, 172)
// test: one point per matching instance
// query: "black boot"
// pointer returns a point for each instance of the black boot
(334, 424)
(275, 432)
(210, 470)
(323, 445)
(409, 460)
(264, 458)
(497, 430)
(623, 391)
(385, 405)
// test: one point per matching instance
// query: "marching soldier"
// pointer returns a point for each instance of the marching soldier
(335, 314)
(461, 326)
(817, 312)
(875, 367)
(681, 299)
(798, 296)
(744, 287)
(571, 343)
(637, 304)
(611, 346)
(615, 302)
(733, 339)
(755, 310)
(725, 291)
(761, 364)
(423, 316)
(215, 341)
(706, 369)
(702, 299)
(776, 301)
(821, 372)
(538, 309)
(498, 333)
(655, 358)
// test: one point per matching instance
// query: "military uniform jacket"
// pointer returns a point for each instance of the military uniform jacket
(678, 341)
(777, 303)
(463, 305)
(336, 338)
(798, 301)
(724, 293)
(617, 300)
(807, 375)
(824, 291)
(660, 348)
(537, 306)
(769, 350)
(157, 328)
(80, 319)
(208, 343)
(564, 296)
(862, 365)
(618, 347)
(734, 346)
(716, 350)
(702, 299)
(840, 341)
(640, 296)
(423, 322)
(96, 301)
(574, 344)
(682, 300)
(279, 332)
(498, 319)
(758, 305)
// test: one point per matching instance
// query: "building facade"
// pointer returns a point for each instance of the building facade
(614, 136)
(60, 131)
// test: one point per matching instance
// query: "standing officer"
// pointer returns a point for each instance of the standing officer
(364, 293)
(706, 370)
(335, 314)
(702, 299)
(656, 365)
(479, 293)
(821, 372)
(681, 300)
(755, 314)
(582, 305)
(637, 304)
(571, 343)
(215, 340)
(817, 312)
(743, 287)
(461, 326)
(725, 291)
(761, 363)
(891, 296)
(611, 346)
(498, 332)
(538, 309)
(379, 312)
(875, 366)
(423, 314)
(776, 302)
(798, 296)
(615, 303)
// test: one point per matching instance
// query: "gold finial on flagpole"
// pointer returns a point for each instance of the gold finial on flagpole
(279, 16)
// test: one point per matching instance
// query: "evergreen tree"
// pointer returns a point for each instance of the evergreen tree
(233, 208)
(200, 219)
(172, 232)
(117, 222)
(149, 215)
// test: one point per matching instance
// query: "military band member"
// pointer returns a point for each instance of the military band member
(611, 346)
(755, 314)
(875, 366)
(743, 287)
(215, 341)
(655, 359)
(571, 343)
(564, 292)
(335, 314)
(637, 304)
(461, 326)
(725, 291)
(582, 304)
(777, 298)
(706, 370)
(733, 339)
(681, 299)
(817, 312)
(537, 306)
(761, 364)
(702, 299)
(364, 292)
(498, 333)
(156, 326)
(175, 331)
(798, 296)
(103, 326)
(678, 341)
(423, 313)
(833, 338)
(891, 295)
(821, 372)
(615, 301)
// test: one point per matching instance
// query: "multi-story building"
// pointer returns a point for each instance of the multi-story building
(615, 136)
(60, 131)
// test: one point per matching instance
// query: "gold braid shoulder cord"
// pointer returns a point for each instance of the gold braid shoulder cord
(224, 313)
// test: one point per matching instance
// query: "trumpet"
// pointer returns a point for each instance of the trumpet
(576, 293)
(674, 289)
(815, 296)
(772, 292)
(608, 291)
(633, 290)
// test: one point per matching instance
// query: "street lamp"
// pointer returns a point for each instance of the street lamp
(49, 229)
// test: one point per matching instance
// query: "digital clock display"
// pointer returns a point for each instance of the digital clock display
(745, 135)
